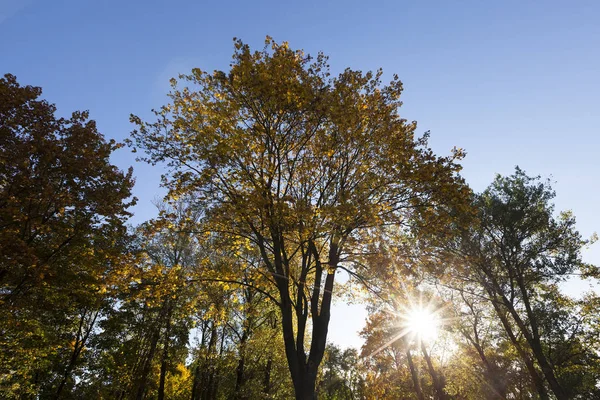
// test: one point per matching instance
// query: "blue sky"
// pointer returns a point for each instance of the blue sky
(512, 82)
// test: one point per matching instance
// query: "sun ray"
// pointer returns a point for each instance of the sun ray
(419, 321)
(423, 323)
(394, 339)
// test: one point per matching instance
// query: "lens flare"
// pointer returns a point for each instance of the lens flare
(422, 323)
(417, 322)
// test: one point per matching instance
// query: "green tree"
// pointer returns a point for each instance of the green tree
(303, 166)
(341, 375)
(62, 238)
(146, 328)
(518, 251)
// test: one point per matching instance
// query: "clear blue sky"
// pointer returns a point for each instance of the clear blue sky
(512, 82)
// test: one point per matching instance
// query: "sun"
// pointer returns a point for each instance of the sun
(418, 322)
(422, 323)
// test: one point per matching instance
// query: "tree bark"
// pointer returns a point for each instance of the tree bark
(534, 341)
(414, 375)
(240, 377)
(207, 374)
(438, 380)
(165, 360)
(196, 382)
(538, 382)
(267, 376)
(143, 378)
(142, 381)
(303, 371)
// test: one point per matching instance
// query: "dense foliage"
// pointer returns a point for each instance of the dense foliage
(62, 238)
(281, 178)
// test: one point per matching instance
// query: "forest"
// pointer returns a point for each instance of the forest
(290, 188)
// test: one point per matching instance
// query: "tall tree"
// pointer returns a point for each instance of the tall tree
(62, 237)
(301, 165)
(518, 252)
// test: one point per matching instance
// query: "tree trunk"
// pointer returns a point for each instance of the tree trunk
(492, 375)
(547, 370)
(494, 378)
(414, 375)
(267, 376)
(304, 374)
(303, 371)
(207, 374)
(196, 382)
(438, 380)
(532, 337)
(80, 340)
(142, 381)
(143, 378)
(239, 375)
(534, 342)
(533, 373)
(303, 378)
(165, 360)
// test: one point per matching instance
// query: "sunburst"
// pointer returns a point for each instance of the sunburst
(422, 323)
(418, 322)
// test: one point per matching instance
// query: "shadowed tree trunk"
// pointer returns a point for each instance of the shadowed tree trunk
(83, 333)
(142, 380)
(439, 382)
(493, 376)
(267, 376)
(165, 360)
(536, 379)
(207, 370)
(414, 375)
(239, 376)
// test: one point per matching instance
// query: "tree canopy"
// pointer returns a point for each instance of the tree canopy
(63, 206)
(302, 165)
(288, 187)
